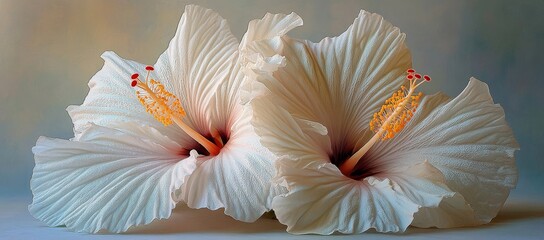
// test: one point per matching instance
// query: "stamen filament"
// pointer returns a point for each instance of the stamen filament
(394, 122)
(209, 146)
(217, 138)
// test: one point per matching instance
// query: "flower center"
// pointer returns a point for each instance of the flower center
(167, 109)
(391, 118)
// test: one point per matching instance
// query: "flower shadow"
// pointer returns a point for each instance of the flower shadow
(516, 212)
(519, 211)
(187, 220)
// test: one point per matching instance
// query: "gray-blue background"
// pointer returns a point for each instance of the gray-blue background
(50, 49)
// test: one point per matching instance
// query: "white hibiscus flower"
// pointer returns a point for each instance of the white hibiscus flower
(351, 165)
(125, 168)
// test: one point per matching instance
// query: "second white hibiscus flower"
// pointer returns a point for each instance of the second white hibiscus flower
(350, 164)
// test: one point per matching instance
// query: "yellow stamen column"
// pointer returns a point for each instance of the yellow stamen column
(391, 118)
(166, 108)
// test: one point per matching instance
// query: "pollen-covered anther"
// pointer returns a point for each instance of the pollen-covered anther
(399, 108)
(160, 103)
(395, 114)
(157, 101)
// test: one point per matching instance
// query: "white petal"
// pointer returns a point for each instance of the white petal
(201, 56)
(238, 179)
(108, 180)
(469, 141)
(322, 200)
(339, 82)
(112, 99)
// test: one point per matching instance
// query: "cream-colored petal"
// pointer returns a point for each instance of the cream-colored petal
(339, 82)
(323, 201)
(202, 55)
(468, 140)
(109, 179)
(111, 99)
(238, 179)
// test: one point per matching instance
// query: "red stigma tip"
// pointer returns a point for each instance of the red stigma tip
(134, 83)
(418, 76)
(410, 77)
(134, 76)
(149, 68)
(410, 71)
(427, 78)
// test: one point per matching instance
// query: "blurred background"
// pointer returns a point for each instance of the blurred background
(50, 49)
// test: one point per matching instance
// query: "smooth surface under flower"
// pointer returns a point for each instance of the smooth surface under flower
(451, 164)
(125, 168)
